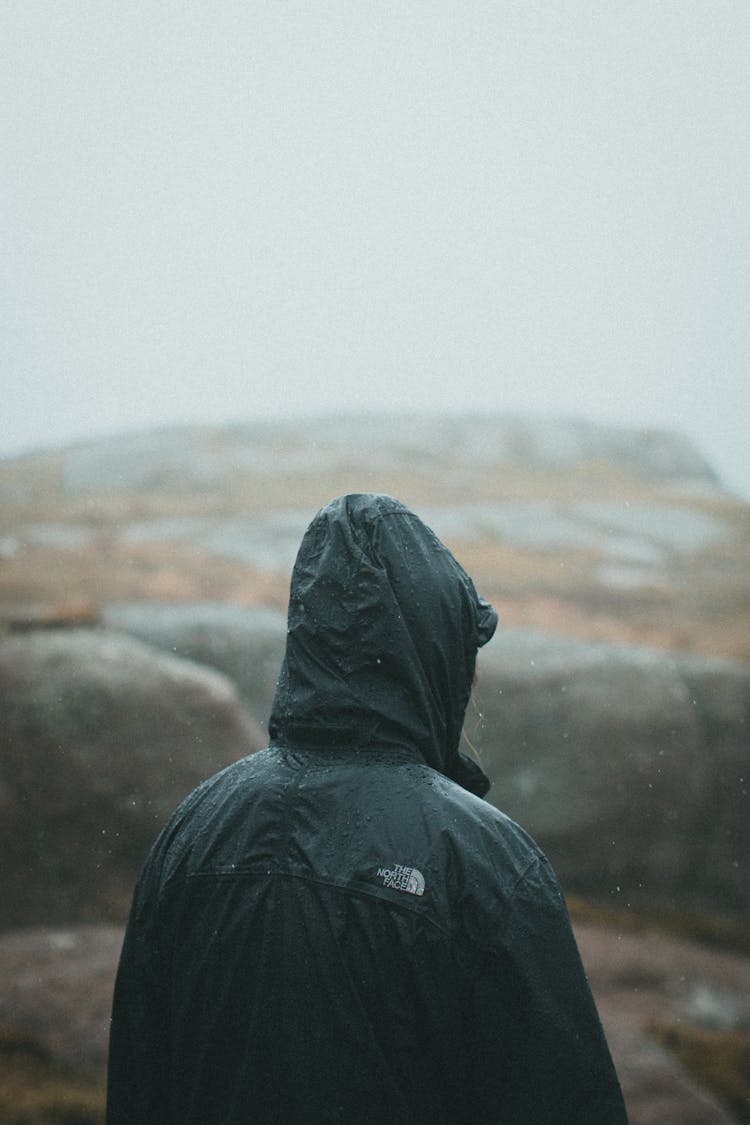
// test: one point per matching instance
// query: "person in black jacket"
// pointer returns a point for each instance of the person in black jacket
(339, 928)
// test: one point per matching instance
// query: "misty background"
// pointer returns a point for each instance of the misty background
(217, 212)
(304, 215)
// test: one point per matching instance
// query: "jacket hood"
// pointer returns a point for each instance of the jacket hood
(383, 631)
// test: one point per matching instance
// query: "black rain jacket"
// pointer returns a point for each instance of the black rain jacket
(338, 928)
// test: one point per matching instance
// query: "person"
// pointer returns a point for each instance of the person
(339, 928)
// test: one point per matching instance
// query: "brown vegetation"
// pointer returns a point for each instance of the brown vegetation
(704, 607)
(718, 1060)
(37, 1090)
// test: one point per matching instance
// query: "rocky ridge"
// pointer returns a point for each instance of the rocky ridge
(584, 529)
(602, 714)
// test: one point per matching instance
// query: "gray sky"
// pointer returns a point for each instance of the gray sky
(243, 209)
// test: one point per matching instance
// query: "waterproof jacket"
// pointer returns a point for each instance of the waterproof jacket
(336, 929)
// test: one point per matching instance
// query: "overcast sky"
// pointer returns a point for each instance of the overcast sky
(232, 210)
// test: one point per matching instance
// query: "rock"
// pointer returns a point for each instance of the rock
(638, 544)
(629, 765)
(266, 541)
(626, 547)
(176, 456)
(189, 458)
(246, 644)
(56, 986)
(102, 736)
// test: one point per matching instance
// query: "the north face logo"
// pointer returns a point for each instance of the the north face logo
(402, 878)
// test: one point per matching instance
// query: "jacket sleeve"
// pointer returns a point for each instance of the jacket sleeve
(138, 1072)
(538, 1051)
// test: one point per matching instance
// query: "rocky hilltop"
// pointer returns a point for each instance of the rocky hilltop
(199, 457)
(143, 588)
(582, 529)
(190, 458)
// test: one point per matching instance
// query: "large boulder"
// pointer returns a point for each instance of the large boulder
(101, 737)
(629, 765)
(245, 643)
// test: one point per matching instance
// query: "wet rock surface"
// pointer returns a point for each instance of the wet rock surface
(644, 537)
(102, 736)
(56, 984)
(245, 643)
(629, 765)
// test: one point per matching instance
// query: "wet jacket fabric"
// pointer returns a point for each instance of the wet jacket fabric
(338, 928)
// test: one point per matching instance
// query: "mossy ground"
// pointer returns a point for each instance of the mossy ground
(730, 934)
(36, 1091)
(718, 1060)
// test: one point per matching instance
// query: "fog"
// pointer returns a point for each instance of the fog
(233, 211)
